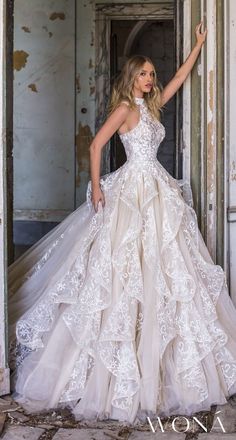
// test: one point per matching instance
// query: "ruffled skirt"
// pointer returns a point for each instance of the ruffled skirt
(121, 313)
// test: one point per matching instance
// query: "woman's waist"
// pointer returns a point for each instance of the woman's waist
(141, 160)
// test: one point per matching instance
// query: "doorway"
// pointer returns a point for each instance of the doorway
(155, 39)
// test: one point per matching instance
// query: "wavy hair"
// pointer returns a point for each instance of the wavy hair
(122, 89)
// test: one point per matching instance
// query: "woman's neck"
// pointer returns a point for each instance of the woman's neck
(138, 95)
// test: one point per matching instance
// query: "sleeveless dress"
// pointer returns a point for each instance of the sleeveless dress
(121, 313)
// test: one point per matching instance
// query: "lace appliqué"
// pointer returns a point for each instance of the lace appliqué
(106, 327)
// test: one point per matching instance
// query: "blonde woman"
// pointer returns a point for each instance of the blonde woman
(119, 312)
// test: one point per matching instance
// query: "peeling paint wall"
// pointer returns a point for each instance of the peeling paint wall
(211, 108)
(85, 94)
(44, 102)
(186, 133)
(207, 155)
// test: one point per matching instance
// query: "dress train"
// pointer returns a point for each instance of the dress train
(122, 313)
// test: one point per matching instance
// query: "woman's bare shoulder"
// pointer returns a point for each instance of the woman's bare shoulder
(125, 102)
(123, 108)
(121, 111)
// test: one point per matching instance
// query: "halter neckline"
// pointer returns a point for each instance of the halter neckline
(138, 100)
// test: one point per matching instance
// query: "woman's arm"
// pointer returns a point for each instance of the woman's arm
(112, 124)
(182, 73)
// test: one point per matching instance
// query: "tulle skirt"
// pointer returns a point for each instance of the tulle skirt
(121, 313)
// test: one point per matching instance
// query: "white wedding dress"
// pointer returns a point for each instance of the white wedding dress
(121, 313)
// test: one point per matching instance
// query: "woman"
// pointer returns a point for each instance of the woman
(119, 312)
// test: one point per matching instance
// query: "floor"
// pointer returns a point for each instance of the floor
(17, 424)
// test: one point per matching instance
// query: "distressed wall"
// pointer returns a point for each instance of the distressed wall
(44, 102)
(207, 156)
(85, 93)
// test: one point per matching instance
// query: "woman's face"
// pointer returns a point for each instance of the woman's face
(144, 80)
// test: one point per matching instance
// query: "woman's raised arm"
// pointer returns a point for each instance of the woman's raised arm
(176, 82)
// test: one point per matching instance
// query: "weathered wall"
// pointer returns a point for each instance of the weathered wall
(85, 93)
(44, 101)
(206, 154)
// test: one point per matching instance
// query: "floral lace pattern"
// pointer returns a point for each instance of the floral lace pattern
(186, 285)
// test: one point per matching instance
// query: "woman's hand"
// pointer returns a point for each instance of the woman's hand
(97, 196)
(200, 36)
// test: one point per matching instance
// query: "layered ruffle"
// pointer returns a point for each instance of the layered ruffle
(123, 309)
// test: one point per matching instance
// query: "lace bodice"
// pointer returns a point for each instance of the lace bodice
(141, 143)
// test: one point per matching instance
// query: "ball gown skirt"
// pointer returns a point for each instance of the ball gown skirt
(121, 313)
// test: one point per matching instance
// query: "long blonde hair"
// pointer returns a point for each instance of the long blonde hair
(123, 86)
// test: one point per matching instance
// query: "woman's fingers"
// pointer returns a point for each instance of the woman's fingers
(98, 197)
(100, 200)
(200, 33)
(198, 26)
